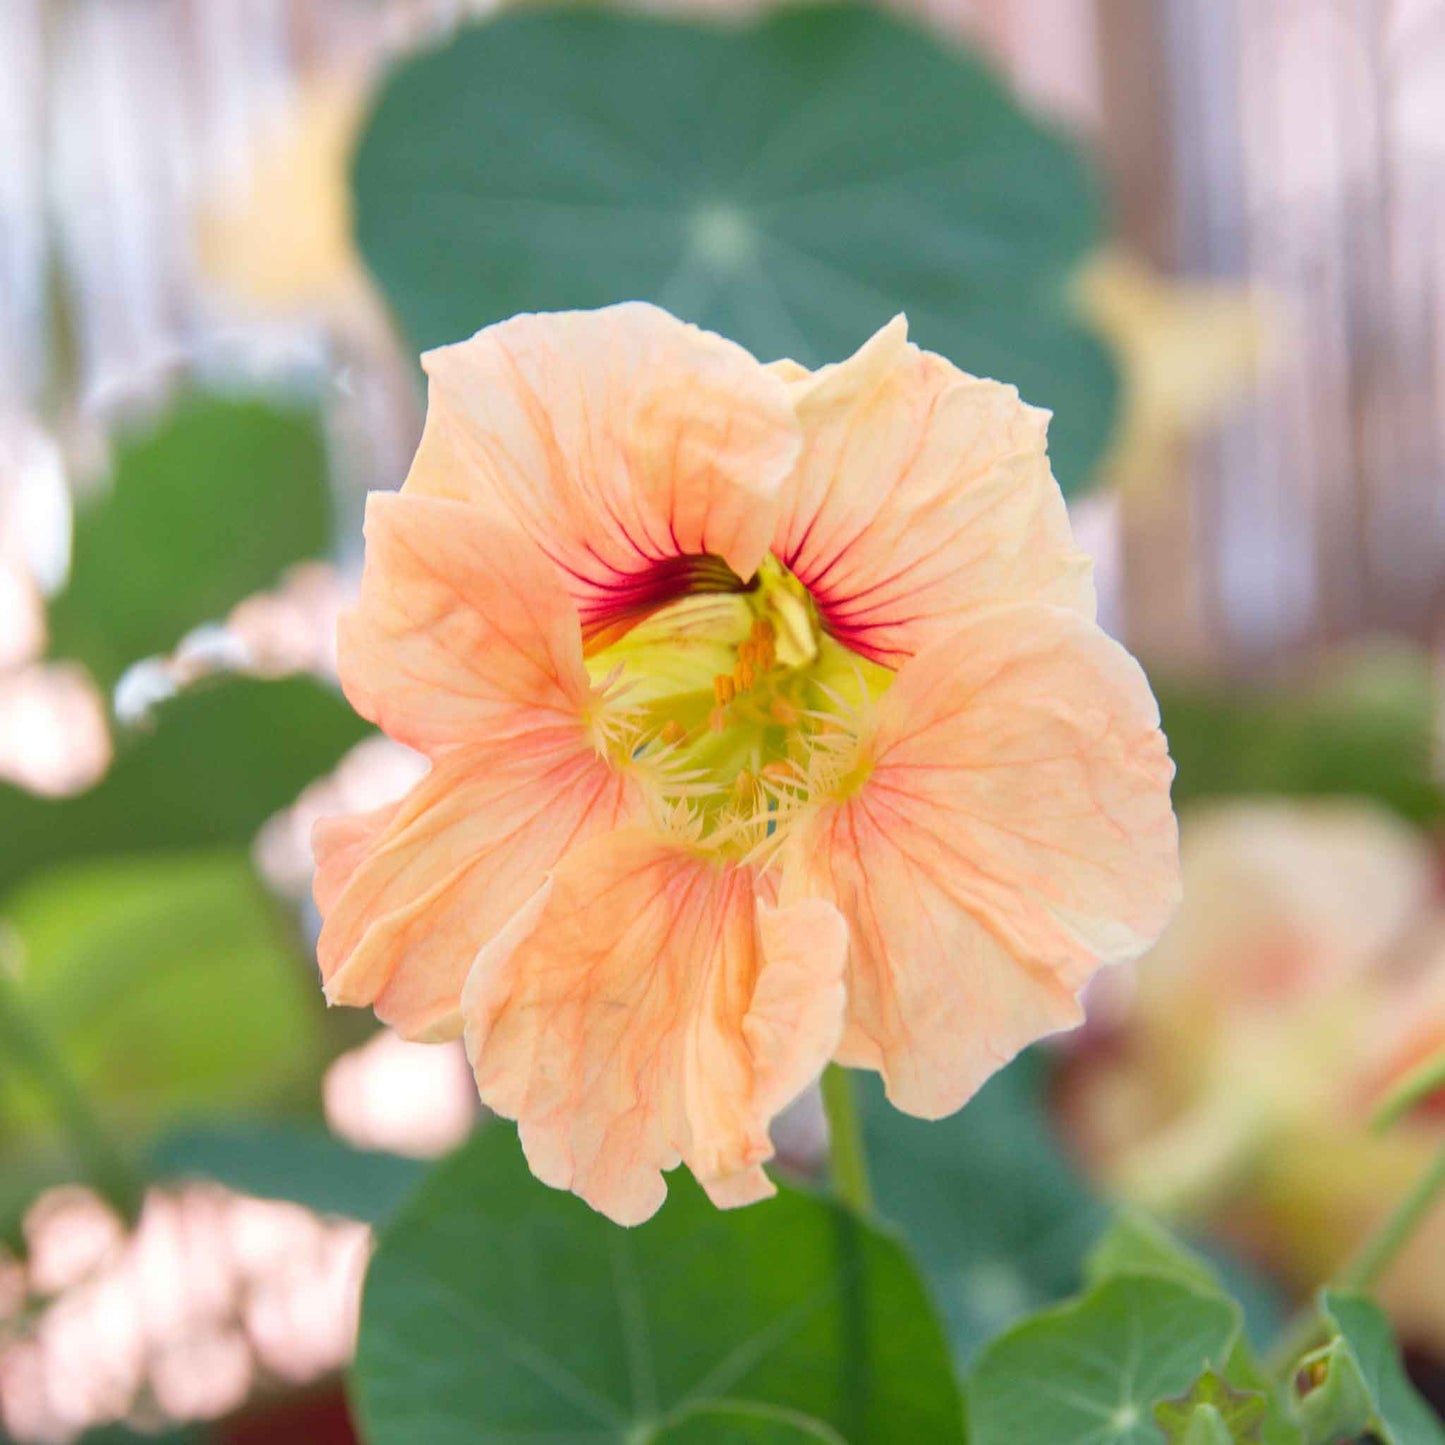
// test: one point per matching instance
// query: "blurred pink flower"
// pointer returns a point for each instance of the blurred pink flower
(211, 1295)
(413, 1099)
(54, 736)
(291, 628)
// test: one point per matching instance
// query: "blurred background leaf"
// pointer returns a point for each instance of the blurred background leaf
(791, 182)
(171, 983)
(211, 767)
(208, 503)
(303, 1164)
(998, 1217)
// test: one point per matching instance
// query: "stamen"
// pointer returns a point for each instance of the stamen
(780, 770)
(724, 689)
(743, 675)
(841, 703)
(672, 733)
(745, 789)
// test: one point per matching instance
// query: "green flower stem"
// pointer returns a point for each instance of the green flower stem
(1369, 1264)
(1378, 1252)
(1417, 1086)
(26, 1044)
(845, 1135)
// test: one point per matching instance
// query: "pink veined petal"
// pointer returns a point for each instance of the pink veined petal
(461, 632)
(921, 491)
(1013, 833)
(647, 1007)
(643, 455)
(445, 872)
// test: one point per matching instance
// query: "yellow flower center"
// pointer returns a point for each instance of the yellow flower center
(743, 704)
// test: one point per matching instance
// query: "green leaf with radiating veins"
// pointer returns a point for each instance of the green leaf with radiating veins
(733, 1423)
(791, 181)
(1091, 1372)
(1138, 1244)
(497, 1309)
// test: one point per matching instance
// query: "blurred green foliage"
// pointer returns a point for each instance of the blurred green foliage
(205, 505)
(210, 767)
(944, 1183)
(152, 974)
(298, 1162)
(169, 982)
(1365, 728)
(791, 182)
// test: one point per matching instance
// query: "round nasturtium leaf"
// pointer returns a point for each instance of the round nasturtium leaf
(498, 1310)
(1092, 1371)
(792, 183)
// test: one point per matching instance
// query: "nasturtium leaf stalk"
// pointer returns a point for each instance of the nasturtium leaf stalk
(769, 724)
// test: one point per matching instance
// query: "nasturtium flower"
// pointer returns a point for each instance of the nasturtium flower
(769, 724)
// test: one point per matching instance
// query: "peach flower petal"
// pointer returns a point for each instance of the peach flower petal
(462, 629)
(340, 845)
(650, 1006)
(1007, 829)
(643, 455)
(921, 491)
(439, 878)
